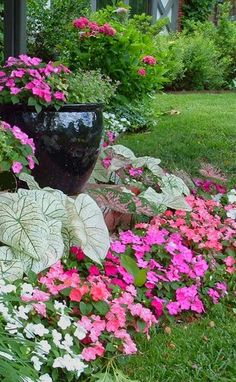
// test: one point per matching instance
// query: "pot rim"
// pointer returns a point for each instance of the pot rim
(73, 107)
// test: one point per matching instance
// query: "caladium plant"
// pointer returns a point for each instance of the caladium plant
(158, 190)
(38, 226)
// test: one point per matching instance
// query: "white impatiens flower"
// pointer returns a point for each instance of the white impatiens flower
(70, 363)
(64, 322)
(57, 337)
(67, 343)
(26, 289)
(23, 311)
(35, 329)
(232, 214)
(43, 347)
(8, 288)
(80, 332)
(59, 307)
(45, 378)
(232, 196)
(4, 312)
(36, 362)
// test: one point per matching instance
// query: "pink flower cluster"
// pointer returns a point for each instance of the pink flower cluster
(122, 310)
(149, 60)
(179, 248)
(93, 29)
(21, 140)
(25, 76)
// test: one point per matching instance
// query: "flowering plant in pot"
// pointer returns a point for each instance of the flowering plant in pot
(16, 154)
(62, 111)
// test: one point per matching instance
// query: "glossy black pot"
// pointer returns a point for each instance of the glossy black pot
(67, 141)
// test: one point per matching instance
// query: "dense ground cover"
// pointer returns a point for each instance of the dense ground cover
(203, 131)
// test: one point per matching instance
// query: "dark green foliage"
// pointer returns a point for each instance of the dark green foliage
(197, 10)
(48, 27)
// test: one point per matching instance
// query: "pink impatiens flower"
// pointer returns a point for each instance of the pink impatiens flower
(16, 167)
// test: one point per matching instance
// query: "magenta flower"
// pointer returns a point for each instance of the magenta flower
(16, 167)
(81, 23)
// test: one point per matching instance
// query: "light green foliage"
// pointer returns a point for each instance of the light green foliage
(38, 226)
(90, 86)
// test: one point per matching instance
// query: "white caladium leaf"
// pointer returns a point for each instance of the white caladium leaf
(100, 173)
(175, 202)
(118, 163)
(171, 184)
(151, 163)
(121, 151)
(51, 205)
(29, 179)
(88, 227)
(55, 248)
(24, 227)
(11, 268)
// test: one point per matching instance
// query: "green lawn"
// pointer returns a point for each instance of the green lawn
(204, 131)
(204, 351)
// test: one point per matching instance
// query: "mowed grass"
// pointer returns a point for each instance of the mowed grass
(203, 351)
(204, 131)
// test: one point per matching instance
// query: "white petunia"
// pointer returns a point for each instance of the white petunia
(64, 322)
(36, 362)
(80, 332)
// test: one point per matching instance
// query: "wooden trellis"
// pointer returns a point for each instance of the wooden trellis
(167, 8)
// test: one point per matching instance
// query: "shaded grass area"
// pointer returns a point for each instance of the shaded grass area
(203, 351)
(204, 131)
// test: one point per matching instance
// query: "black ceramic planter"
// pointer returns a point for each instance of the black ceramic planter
(67, 141)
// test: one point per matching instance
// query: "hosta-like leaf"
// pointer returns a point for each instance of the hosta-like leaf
(24, 227)
(87, 225)
(171, 184)
(11, 268)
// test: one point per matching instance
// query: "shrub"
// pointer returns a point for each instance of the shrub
(118, 49)
(203, 66)
(47, 26)
(197, 10)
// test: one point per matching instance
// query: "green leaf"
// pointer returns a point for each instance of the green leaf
(32, 101)
(85, 309)
(38, 107)
(102, 307)
(15, 99)
(140, 275)
(111, 348)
